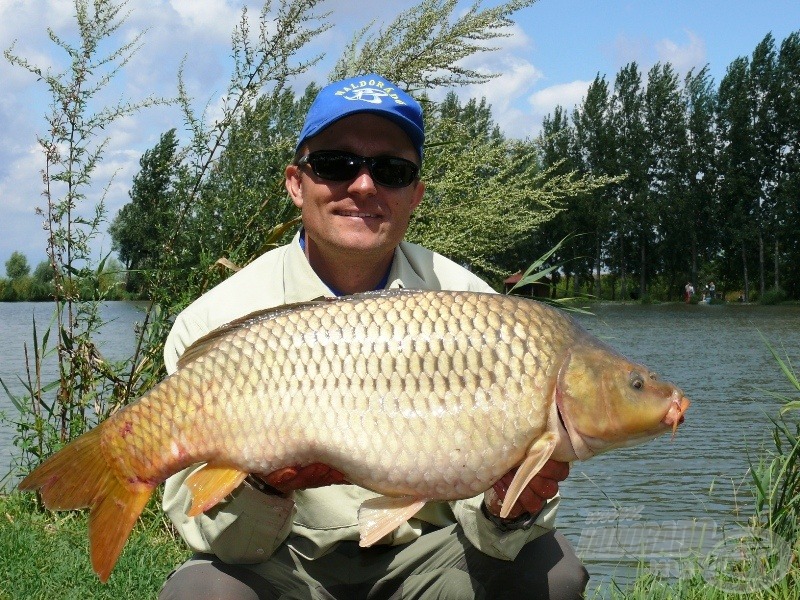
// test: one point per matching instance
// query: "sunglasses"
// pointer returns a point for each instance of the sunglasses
(335, 165)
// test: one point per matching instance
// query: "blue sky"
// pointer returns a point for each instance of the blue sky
(555, 50)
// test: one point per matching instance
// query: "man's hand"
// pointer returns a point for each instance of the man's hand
(539, 490)
(296, 478)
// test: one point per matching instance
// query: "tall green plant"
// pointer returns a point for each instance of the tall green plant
(777, 476)
(73, 148)
(424, 47)
(264, 64)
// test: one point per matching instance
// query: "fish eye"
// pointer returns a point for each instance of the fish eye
(637, 382)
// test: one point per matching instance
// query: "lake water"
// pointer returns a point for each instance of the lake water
(116, 342)
(696, 484)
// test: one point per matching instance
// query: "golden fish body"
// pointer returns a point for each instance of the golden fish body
(435, 395)
(414, 395)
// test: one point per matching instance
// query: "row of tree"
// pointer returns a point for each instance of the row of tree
(668, 180)
(707, 181)
(21, 285)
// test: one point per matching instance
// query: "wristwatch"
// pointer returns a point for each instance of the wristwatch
(255, 482)
(524, 521)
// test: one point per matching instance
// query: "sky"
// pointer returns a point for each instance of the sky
(552, 53)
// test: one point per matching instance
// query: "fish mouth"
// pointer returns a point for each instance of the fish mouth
(677, 408)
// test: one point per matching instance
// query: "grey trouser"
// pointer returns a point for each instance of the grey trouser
(439, 564)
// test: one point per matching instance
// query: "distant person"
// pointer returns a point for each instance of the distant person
(688, 292)
(711, 290)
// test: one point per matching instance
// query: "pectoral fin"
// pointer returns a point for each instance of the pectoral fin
(378, 517)
(538, 453)
(210, 485)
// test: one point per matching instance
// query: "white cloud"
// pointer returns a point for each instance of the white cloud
(20, 194)
(683, 57)
(626, 49)
(645, 52)
(214, 19)
(564, 94)
(21, 183)
(544, 101)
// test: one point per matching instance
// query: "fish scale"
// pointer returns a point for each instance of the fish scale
(405, 358)
(414, 395)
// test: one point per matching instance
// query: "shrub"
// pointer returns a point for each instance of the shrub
(773, 296)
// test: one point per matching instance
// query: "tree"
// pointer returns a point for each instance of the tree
(17, 266)
(738, 188)
(44, 272)
(142, 227)
(788, 175)
(555, 148)
(627, 121)
(700, 210)
(662, 217)
(244, 197)
(485, 195)
(763, 96)
(596, 155)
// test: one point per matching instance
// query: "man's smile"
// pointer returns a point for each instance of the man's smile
(357, 213)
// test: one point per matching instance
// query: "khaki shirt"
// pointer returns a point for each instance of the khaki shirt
(248, 526)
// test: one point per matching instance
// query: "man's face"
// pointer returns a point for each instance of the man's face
(359, 215)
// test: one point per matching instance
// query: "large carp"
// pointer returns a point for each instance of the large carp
(416, 395)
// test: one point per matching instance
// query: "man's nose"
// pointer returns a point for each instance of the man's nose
(363, 183)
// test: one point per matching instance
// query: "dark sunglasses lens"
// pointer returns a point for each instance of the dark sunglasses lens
(335, 167)
(393, 172)
(388, 171)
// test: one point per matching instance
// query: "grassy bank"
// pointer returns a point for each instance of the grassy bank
(45, 555)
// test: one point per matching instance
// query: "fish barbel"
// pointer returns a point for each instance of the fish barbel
(415, 395)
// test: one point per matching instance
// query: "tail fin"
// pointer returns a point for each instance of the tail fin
(78, 476)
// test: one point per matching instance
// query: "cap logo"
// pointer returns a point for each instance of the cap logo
(371, 95)
(369, 91)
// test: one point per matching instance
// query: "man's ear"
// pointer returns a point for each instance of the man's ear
(419, 192)
(292, 183)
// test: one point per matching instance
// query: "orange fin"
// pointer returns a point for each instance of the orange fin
(210, 485)
(378, 517)
(111, 520)
(78, 476)
(538, 453)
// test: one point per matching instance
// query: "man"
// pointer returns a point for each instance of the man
(291, 534)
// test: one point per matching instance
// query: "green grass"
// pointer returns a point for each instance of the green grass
(699, 586)
(45, 555)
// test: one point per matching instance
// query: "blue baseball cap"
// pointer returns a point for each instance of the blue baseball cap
(364, 94)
